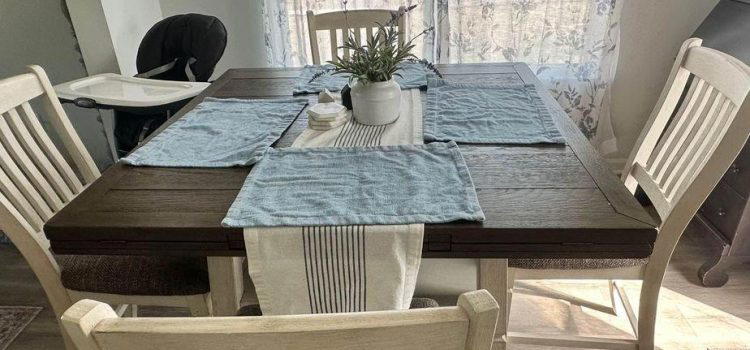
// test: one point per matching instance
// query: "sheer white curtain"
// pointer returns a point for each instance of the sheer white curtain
(572, 45)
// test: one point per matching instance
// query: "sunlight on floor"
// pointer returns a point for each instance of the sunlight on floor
(683, 323)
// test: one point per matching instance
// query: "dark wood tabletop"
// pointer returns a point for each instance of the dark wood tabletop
(540, 201)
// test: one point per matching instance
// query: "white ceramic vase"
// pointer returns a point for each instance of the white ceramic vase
(376, 103)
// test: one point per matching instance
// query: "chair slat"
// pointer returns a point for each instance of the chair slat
(346, 33)
(19, 179)
(64, 128)
(698, 137)
(29, 168)
(19, 202)
(688, 128)
(45, 143)
(663, 147)
(700, 156)
(41, 159)
(334, 45)
(312, 29)
(358, 35)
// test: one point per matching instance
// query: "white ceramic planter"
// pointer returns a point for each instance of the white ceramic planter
(376, 103)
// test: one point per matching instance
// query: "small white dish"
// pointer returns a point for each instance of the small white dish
(329, 111)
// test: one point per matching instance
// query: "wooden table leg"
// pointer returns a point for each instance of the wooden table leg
(226, 276)
(493, 276)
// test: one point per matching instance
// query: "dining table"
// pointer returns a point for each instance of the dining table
(539, 200)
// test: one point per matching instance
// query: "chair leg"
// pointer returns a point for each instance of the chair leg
(200, 305)
(511, 278)
(494, 277)
(647, 314)
(613, 297)
(226, 277)
(67, 341)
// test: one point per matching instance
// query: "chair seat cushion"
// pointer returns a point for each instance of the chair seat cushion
(423, 303)
(574, 264)
(416, 303)
(134, 275)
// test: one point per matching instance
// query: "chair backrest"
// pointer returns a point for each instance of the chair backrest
(470, 325)
(176, 41)
(691, 137)
(340, 24)
(36, 180)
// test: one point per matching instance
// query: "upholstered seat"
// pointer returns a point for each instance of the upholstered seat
(423, 303)
(134, 275)
(574, 264)
(416, 303)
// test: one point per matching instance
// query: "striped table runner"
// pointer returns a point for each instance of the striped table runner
(329, 269)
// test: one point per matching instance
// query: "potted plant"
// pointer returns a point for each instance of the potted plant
(372, 65)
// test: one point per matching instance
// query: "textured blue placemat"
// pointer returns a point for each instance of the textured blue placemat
(403, 184)
(219, 133)
(413, 75)
(485, 113)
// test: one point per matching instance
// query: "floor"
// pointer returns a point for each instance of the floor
(690, 316)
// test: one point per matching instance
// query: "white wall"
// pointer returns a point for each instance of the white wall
(93, 36)
(651, 34)
(245, 44)
(38, 32)
(110, 31)
(128, 22)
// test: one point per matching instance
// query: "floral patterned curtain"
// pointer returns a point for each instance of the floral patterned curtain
(572, 45)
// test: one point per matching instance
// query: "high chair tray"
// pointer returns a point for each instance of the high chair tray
(111, 89)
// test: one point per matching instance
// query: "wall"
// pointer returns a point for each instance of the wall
(128, 23)
(651, 34)
(38, 32)
(245, 44)
(110, 31)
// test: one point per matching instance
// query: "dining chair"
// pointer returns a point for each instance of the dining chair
(36, 181)
(469, 325)
(685, 148)
(350, 22)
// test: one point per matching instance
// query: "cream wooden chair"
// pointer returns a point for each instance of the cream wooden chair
(677, 161)
(470, 325)
(36, 181)
(352, 20)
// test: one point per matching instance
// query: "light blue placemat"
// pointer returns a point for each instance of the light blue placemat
(356, 186)
(485, 113)
(219, 133)
(413, 75)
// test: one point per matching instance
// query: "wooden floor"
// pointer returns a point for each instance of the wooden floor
(690, 316)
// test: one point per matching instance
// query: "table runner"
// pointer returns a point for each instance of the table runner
(219, 133)
(349, 268)
(487, 113)
(412, 75)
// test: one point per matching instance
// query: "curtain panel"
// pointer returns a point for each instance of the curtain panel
(572, 45)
